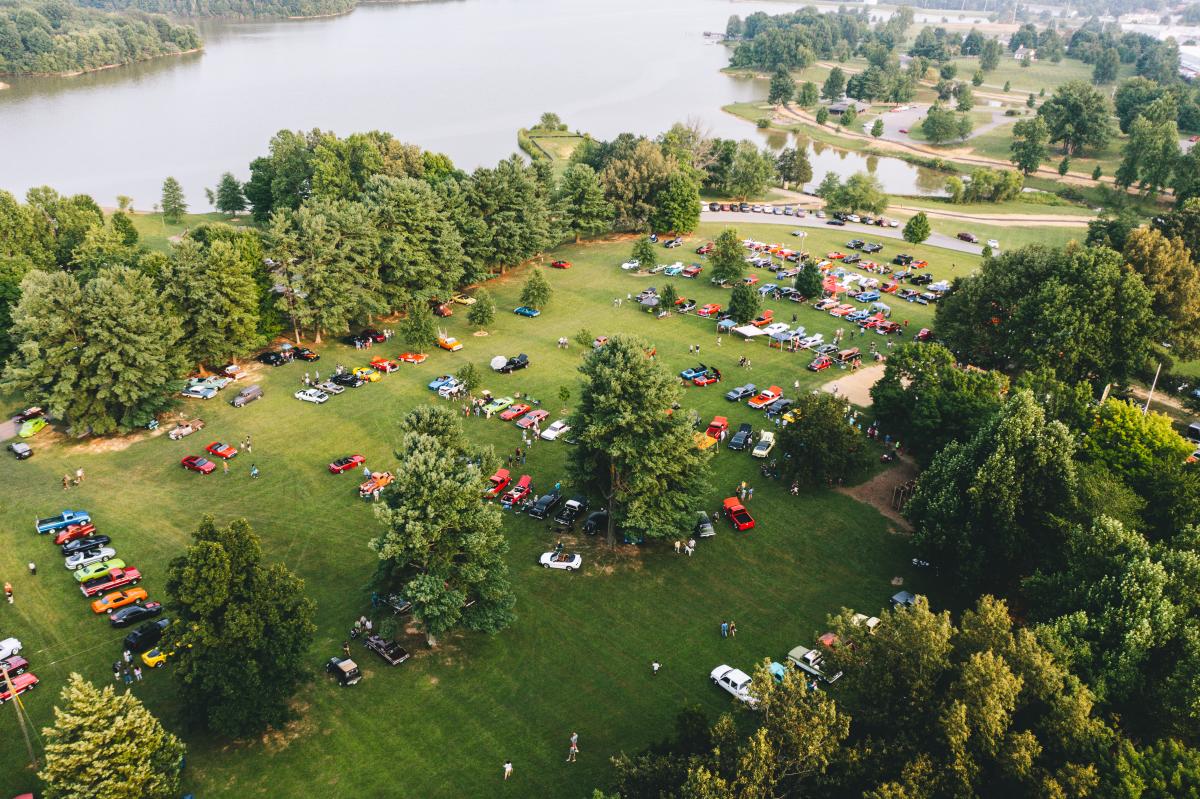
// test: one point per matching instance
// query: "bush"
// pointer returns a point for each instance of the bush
(763, 123)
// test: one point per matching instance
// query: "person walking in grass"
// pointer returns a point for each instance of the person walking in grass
(654, 667)
(724, 629)
(507, 769)
(225, 465)
(573, 751)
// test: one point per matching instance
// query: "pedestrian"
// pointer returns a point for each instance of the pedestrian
(367, 623)
(128, 656)
(689, 548)
(716, 517)
(346, 648)
(127, 675)
(678, 544)
(691, 543)
(66, 481)
(32, 567)
(654, 667)
(225, 466)
(718, 341)
(507, 769)
(254, 471)
(697, 349)
(691, 348)
(574, 749)
(8, 592)
(749, 493)
(316, 375)
(906, 323)
(366, 471)
(724, 629)
(375, 494)
(79, 475)
(116, 670)
(732, 629)
(137, 673)
(796, 385)
(522, 457)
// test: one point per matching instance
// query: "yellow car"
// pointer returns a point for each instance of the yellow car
(449, 343)
(155, 657)
(463, 299)
(368, 373)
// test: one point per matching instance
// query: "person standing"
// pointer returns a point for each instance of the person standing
(724, 629)
(732, 629)
(79, 475)
(677, 546)
(573, 751)
(66, 481)
(346, 648)
(116, 670)
(654, 667)
(137, 673)
(128, 656)
(507, 769)
(254, 471)
(127, 675)
(8, 592)
(225, 465)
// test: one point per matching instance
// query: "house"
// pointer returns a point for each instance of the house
(842, 106)
(1021, 52)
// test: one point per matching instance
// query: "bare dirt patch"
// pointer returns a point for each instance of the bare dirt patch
(274, 740)
(879, 490)
(856, 386)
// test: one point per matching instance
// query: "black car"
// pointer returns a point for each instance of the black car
(571, 511)
(132, 614)
(923, 279)
(836, 222)
(20, 450)
(85, 544)
(852, 258)
(903, 260)
(855, 244)
(744, 207)
(272, 358)
(146, 636)
(741, 439)
(779, 406)
(714, 206)
(546, 503)
(596, 522)
(348, 380)
(305, 354)
(872, 247)
(513, 364)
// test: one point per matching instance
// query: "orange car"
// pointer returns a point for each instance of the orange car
(377, 482)
(118, 599)
(413, 357)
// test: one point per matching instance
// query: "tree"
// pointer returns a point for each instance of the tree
(241, 633)
(963, 126)
(1106, 67)
(122, 225)
(418, 330)
(782, 87)
(106, 745)
(861, 192)
(1064, 166)
(230, 199)
(536, 291)
(470, 377)
(1029, 144)
(751, 172)
(835, 84)
(793, 166)
(1077, 310)
(848, 118)
(939, 124)
(1161, 770)
(809, 95)
(1132, 445)
(977, 78)
(174, 206)
(989, 54)
(645, 253)
(213, 294)
(808, 281)
(744, 303)
(1031, 100)
(483, 312)
(984, 509)
(633, 179)
(955, 189)
(822, 115)
(877, 128)
(728, 262)
(677, 205)
(1133, 97)
(75, 345)
(580, 198)
(1077, 116)
(965, 97)
(639, 458)
(442, 546)
(1173, 278)
(1097, 172)
(917, 229)
(1152, 152)
(821, 448)
(667, 298)
(510, 205)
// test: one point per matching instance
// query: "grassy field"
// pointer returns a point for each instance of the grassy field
(578, 657)
(1033, 78)
(997, 144)
(157, 234)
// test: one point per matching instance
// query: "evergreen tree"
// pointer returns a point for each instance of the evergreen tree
(808, 281)
(1064, 166)
(581, 200)
(645, 254)
(965, 97)
(820, 449)
(782, 89)
(808, 95)
(123, 225)
(442, 546)
(917, 228)
(483, 312)
(728, 260)
(469, 376)
(835, 84)
(877, 128)
(536, 291)
(174, 206)
(105, 745)
(744, 303)
(667, 297)
(213, 293)
(750, 172)
(241, 631)
(514, 207)
(639, 458)
(677, 205)
(230, 199)
(822, 115)
(418, 330)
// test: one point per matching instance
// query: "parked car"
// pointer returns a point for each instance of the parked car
(87, 557)
(515, 410)
(903, 599)
(692, 270)
(194, 463)
(221, 450)
(525, 310)
(9, 647)
(571, 510)
(73, 532)
(415, 357)
(14, 665)
(693, 371)
(741, 392)
(20, 450)
(514, 363)
(596, 522)
(184, 429)
(98, 569)
(497, 483)
(84, 544)
(463, 299)
(20, 684)
(271, 358)
(545, 504)
(246, 396)
(566, 561)
(367, 373)
(452, 388)
(737, 514)
(146, 635)
(555, 430)
(305, 354)
(439, 381)
(811, 662)
(766, 443)
(347, 380)
(199, 392)
(703, 528)
(449, 343)
(765, 397)
(497, 404)
(709, 377)
(741, 439)
(716, 427)
(711, 309)
(561, 264)
(631, 265)
(518, 492)
(346, 464)
(970, 238)
(132, 614)
(344, 670)
(116, 578)
(734, 682)
(533, 418)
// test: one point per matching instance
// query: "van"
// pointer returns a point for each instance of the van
(847, 355)
(1193, 432)
(247, 395)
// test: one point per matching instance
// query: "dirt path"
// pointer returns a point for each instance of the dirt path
(877, 492)
(1039, 220)
(856, 386)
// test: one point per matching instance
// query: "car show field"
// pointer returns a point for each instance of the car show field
(578, 656)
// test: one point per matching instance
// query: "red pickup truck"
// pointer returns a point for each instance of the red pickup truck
(116, 578)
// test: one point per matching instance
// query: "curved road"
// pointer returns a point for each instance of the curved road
(869, 231)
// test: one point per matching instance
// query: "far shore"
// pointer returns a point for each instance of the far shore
(79, 72)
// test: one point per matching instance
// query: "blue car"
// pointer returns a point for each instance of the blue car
(525, 310)
(65, 519)
(694, 372)
(767, 289)
(857, 316)
(673, 271)
(438, 382)
(868, 296)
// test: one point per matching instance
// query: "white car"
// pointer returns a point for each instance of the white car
(9, 647)
(568, 561)
(764, 446)
(451, 388)
(734, 681)
(555, 430)
(812, 341)
(203, 391)
(312, 395)
(330, 387)
(853, 218)
(775, 327)
(630, 265)
(995, 245)
(88, 557)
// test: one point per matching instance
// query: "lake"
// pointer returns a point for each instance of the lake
(457, 77)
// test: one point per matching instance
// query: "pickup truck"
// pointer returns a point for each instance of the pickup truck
(185, 429)
(65, 519)
(390, 651)
(116, 578)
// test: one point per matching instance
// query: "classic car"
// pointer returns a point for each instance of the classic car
(716, 427)
(413, 357)
(741, 392)
(439, 381)
(692, 372)
(344, 670)
(376, 482)
(99, 569)
(766, 442)
(73, 532)
(391, 651)
(518, 492)
(348, 380)
(381, 364)
(561, 264)
(571, 510)
(331, 388)
(546, 503)
(20, 684)
(514, 363)
(766, 397)
(449, 343)
(184, 429)
(741, 439)
(514, 411)
(533, 418)
(555, 430)
(132, 614)
(497, 483)
(305, 354)
(146, 635)
(708, 377)
(202, 391)
(194, 463)
(221, 450)
(692, 270)
(85, 544)
(567, 561)
(32, 427)
(116, 578)
(367, 373)
(733, 681)
(497, 404)
(737, 513)
(525, 310)
(87, 557)
(463, 299)
(346, 464)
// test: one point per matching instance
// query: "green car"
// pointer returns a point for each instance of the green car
(498, 404)
(98, 569)
(32, 427)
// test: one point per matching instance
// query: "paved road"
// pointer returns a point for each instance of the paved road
(738, 219)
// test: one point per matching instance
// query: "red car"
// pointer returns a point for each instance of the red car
(692, 271)
(20, 684)
(766, 397)
(219, 450)
(74, 532)
(708, 377)
(374, 335)
(513, 411)
(886, 328)
(716, 427)
(519, 491)
(737, 513)
(561, 264)
(380, 364)
(764, 319)
(820, 364)
(924, 334)
(116, 578)
(533, 417)
(413, 357)
(14, 665)
(194, 463)
(750, 280)
(497, 483)
(889, 287)
(705, 248)
(346, 464)
(442, 309)
(712, 309)
(835, 256)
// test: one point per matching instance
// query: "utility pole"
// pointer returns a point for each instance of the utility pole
(22, 718)
(1150, 396)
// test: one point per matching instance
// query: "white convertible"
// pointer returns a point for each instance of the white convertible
(568, 561)
(312, 395)
(555, 430)
(89, 556)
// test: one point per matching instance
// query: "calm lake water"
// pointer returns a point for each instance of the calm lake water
(458, 77)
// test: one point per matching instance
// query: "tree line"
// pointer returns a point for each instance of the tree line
(229, 8)
(50, 36)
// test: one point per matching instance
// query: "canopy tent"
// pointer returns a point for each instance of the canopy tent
(650, 302)
(726, 324)
(749, 331)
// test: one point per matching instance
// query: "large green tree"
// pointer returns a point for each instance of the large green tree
(106, 745)
(632, 448)
(230, 198)
(513, 206)
(1077, 115)
(835, 84)
(728, 257)
(677, 205)
(782, 87)
(632, 181)
(1171, 274)
(241, 631)
(174, 205)
(793, 166)
(213, 293)
(821, 447)
(744, 303)
(483, 312)
(1029, 144)
(580, 199)
(751, 171)
(442, 546)
(536, 292)
(1152, 152)
(917, 229)
(418, 330)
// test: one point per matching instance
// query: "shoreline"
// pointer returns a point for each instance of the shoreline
(78, 72)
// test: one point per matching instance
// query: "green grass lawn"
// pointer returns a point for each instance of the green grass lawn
(577, 658)
(1017, 206)
(1037, 76)
(157, 234)
(997, 144)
